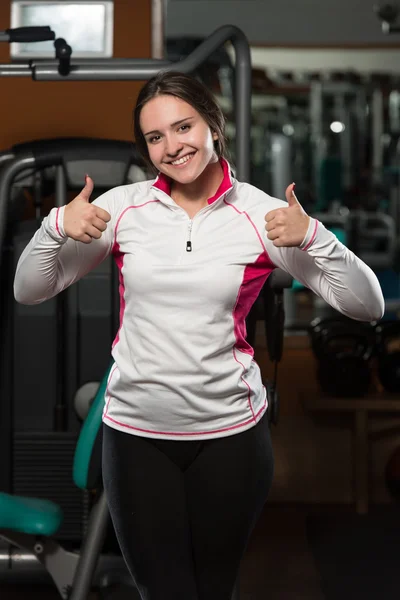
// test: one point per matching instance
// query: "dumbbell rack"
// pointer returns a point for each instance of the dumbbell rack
(362, 431)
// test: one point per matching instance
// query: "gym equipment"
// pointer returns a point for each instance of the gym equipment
(30, 523)
(27, 34)
(216, 72)
(281, 163)
(329, 178)
(343, 349)
(320, 327)
(272, 303)
(54, 341)
(388, 353)
(387, 14)
(274, 310)
(337, 157)
(370, 235)
(316, 330)
(84, 397)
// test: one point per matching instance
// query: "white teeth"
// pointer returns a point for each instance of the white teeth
(182, 160)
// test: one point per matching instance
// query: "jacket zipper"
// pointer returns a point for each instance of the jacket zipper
(189, 242)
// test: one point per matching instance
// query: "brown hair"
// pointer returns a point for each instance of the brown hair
(190, 90)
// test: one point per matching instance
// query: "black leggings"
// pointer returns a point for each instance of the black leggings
(183, 511)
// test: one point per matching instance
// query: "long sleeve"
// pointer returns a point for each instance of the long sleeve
(51, 261)
(332, 271)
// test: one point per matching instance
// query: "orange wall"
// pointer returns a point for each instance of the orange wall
(34, 110)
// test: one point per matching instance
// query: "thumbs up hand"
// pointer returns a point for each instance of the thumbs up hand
(84, 221)
(287, 226)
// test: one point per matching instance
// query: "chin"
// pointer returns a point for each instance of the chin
(181, 176)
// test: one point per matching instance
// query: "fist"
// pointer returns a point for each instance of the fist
(287, 226)
(84, 221)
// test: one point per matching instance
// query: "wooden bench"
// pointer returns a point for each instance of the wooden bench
(361, 409)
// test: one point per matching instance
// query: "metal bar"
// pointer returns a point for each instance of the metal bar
(60, 422)
(342, 115)
(377, 126)
(9, 172)
(92, 72)
(316, 120)
(61, 564)
(158, 18)
(11, 70)
(339, 87)
(91, 550)
(6, 156)
(61, 187)
(99, 62)
(242, 105)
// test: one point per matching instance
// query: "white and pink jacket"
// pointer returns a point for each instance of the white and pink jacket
(183, 369)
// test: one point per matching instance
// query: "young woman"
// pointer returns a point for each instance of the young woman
(187, 458)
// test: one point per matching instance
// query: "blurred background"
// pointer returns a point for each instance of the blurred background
(325, 113)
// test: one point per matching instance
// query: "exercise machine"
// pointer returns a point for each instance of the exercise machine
(29, 524)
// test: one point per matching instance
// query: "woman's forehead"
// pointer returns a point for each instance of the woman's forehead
(165, 110)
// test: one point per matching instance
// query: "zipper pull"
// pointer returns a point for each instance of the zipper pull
(189, 243)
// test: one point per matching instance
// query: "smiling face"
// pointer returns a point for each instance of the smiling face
(179, 141)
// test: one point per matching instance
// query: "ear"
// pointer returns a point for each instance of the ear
(215, 136)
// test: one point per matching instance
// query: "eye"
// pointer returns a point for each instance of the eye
(154, 139)
(183, 127)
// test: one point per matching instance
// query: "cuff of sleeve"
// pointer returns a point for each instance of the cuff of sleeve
(310, 235)
(54, 224)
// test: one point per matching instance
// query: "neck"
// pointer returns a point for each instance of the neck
(200, 190)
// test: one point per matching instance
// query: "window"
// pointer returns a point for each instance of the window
(86, 26)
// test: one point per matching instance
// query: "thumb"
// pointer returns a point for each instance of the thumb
(88, 189)
(291, 196)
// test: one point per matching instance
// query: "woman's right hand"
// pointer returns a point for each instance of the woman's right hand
(84, 221)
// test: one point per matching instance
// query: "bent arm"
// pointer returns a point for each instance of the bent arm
(333, 272)
(51, 261)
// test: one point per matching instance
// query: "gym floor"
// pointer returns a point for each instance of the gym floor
(301, 552)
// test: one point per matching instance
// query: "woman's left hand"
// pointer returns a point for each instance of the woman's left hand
(287, 226)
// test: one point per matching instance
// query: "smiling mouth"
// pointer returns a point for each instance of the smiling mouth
(182, 161)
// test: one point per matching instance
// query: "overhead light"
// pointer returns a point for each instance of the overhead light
(337, 127)
(288, 129)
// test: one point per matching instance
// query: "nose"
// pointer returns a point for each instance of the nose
(172, 146)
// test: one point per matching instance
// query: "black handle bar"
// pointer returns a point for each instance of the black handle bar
(30, 34)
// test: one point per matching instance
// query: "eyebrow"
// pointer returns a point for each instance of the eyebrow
(172, 125)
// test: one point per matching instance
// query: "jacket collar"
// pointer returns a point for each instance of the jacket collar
(163, 184)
